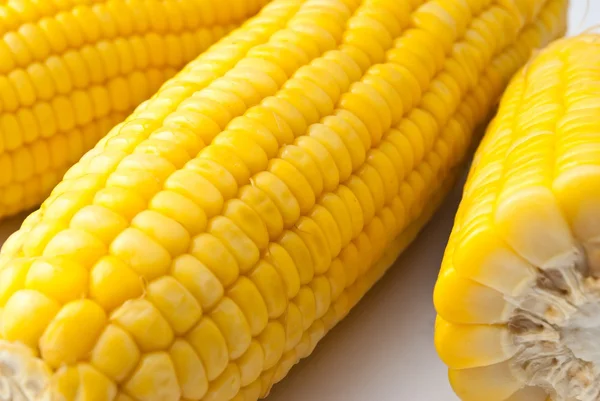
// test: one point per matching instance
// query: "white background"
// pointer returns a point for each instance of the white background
(383, 351)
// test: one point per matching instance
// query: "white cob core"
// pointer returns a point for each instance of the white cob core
(556, 326)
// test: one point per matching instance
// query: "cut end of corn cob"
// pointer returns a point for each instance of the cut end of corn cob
(526, 241)
(209, 242)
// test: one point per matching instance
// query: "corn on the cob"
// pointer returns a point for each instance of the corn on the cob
(71, 70)
(517, 296)
(210, 241)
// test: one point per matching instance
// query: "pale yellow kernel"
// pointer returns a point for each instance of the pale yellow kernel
(292, 322)
(216, 256)
(77, 245)
(337, 278)
(251, 363)
(237, 242)
(144, 255)
(191, 374)
(112, 282)
(166, 231)
(82, 382)
(145, 323)
(304, 346)
(300, 254)
(248, 298)
(99, 221)
(142, 183)
(265, 207)
(93, 385)
(245, 218)
(271, 287)
(198, 189)
(62, 206)
(12, 277)
(208, 342)
(181, 209)
(226, 386)
(322, 292)
(115, 353)
(72, 333)
(65, 382)
(154, 379)
(121, 201)
(198, 280)
(175, 303)
(253, 391)
(233, 325)
(305, 300)
(26, 315)
(59, 279)
(280, 194)
(217, 174)
(272, 340)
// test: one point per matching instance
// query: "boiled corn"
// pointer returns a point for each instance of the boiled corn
(71, 70)
(210, 241)
(517, 297)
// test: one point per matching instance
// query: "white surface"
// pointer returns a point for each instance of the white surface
(383, 351)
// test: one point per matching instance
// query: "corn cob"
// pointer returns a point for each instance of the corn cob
(517, 296)
(207, 243)
(71, 70)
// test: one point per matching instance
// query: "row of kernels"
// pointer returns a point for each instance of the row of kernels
(14, 14)
(90, 110)
(38, 167)
(91, 24)
(94, 65)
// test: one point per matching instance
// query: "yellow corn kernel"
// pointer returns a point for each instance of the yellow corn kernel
(249, 299)
(112, 282)
(211, 346)
(88, 383)
(144, 255)
(271, 287)
(191, 374)
(272, 181)
(65, 341)
(198, 280)
(26, 316)
(115, 341)
(154, 378)
(272, 340)
(175, 303)
(145, 323)
(251, 364)
(225, 386)
(58, 279)
(233, 325)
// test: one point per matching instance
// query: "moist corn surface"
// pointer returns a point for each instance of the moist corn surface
(70, 70)
(517, 297)
(211, 240)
